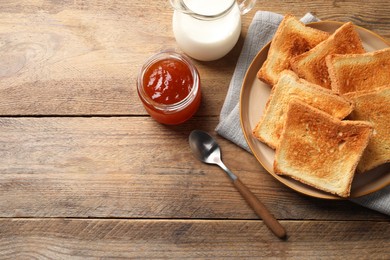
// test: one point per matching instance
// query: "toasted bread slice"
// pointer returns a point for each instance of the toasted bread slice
(291, 38)
(374, 106)
(311, 65)
(356, 72)
(320, 150)
(289, 86)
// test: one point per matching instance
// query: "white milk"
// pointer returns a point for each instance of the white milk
(207, 39)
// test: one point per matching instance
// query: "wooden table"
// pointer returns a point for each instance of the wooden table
(86, 173)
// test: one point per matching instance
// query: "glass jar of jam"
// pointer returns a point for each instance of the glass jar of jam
(169, 88)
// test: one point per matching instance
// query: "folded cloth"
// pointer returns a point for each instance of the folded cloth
(260, 32)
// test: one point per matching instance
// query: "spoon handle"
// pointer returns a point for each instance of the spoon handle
(260, 209)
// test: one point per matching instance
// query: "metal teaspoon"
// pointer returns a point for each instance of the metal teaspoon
(207, 150)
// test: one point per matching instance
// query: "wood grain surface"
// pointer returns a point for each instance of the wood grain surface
(85, 173)
(83, 57)
(204, 239)
(88, 167)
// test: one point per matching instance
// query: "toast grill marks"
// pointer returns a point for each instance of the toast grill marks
(320, 150)
(374, 106)
(291, 39)
(270, 126)
(356, 72)
(311, 65)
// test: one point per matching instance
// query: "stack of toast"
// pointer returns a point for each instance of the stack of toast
(328, 113)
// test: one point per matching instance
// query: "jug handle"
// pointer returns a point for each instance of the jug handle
(245, 5)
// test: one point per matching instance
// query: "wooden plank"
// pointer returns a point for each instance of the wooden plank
(371, 15)
(80, 239)
(72, 60)
(134, 167)
(82, 57)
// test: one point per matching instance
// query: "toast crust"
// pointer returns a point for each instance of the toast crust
(312, 66)
(270, 125)
(291, 39)
(320, 150)
(357, 72)
(374, 106)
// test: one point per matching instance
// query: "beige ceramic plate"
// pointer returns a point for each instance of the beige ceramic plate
(254, 95)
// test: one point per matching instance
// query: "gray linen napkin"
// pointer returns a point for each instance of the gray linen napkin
(260, 32)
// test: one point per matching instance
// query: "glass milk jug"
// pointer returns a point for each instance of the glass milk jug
(208, 29)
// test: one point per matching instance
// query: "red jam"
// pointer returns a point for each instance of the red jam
(169, 87)
(168, 81)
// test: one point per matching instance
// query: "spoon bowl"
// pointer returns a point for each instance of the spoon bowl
(207, 150)
(204, 147)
